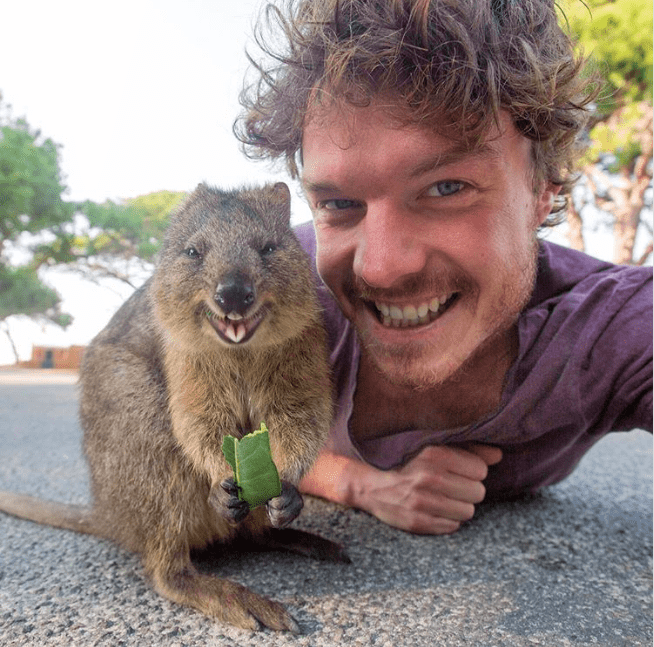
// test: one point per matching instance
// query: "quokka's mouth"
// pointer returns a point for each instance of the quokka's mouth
(234, 329)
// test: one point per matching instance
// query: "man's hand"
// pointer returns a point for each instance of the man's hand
(432, 494)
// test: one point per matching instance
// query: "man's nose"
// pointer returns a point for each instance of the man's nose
(389, 248)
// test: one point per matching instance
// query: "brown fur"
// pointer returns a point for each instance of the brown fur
(160, 389)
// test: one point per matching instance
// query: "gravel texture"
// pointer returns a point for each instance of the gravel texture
(569, 567)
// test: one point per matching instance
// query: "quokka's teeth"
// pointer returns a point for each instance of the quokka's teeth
(235, 333)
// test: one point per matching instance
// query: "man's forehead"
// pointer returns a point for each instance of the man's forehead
(332, 112)
(340, 128)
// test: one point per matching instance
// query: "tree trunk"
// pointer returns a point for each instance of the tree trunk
(5, 329)
(629, 197)
(626, 221)
(645, 255)
(575, 228)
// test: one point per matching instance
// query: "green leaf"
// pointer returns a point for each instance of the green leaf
(229, 450)
(255, 473)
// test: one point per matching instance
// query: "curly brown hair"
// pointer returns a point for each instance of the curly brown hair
(452, 65)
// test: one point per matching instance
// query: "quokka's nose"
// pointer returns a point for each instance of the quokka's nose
(235, 295)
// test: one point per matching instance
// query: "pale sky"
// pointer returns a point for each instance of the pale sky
(142, 95)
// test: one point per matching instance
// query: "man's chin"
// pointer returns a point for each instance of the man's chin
(411, 373)
(412, 364)
(439, 354)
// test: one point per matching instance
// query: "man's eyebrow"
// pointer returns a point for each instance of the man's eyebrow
(318, 187)
(455, 155)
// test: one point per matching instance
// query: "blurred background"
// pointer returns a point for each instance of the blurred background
(111, 112)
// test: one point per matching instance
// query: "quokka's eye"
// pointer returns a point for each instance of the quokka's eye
(268, 249)
(192, 252)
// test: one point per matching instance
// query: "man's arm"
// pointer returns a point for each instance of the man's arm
(432, 494)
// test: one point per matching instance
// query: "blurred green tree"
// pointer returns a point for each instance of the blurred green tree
(117, 240)
(31, 190)
(112, 239)
(617, 35)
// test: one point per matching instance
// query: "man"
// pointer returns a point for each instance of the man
(433, 139)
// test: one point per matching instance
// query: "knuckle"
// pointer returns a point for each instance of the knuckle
(422, 525)
(451, 527)
(431, 453)
(481, 494)
(413, 502)
(432, 450)
(413, 526)
(434, 481)
(468, 512)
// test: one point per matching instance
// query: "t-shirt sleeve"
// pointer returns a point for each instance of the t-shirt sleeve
(616, 387)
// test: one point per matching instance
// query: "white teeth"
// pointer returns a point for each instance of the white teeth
(383, 308)
(410, 315)
(233, 327)
(409, 312)
(230, 332)
(235, 333)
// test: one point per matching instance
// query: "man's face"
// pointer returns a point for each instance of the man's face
(429, 248)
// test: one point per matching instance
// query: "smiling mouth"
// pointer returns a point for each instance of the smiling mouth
(413, 315)
(233, 328)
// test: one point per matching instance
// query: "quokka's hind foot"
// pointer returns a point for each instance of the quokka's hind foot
(224, 600)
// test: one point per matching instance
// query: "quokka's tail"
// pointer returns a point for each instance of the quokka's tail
(49, 513)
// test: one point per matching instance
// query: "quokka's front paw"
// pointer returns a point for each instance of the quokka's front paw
(285, 507)
(224, 499)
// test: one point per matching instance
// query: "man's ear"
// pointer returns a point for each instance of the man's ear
(546, 202)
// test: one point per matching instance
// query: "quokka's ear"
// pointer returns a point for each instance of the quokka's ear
(280, 196)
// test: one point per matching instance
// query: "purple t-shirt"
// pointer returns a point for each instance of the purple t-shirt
(584, 368)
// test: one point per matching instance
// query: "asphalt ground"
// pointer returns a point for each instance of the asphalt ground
(570, 566)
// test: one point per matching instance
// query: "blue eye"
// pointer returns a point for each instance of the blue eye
(338, 204)
(445, 188)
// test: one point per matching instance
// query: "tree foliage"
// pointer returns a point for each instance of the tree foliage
(31, 190)
(31, 186)
(118, 239)
(23, 293)
(617, 35)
